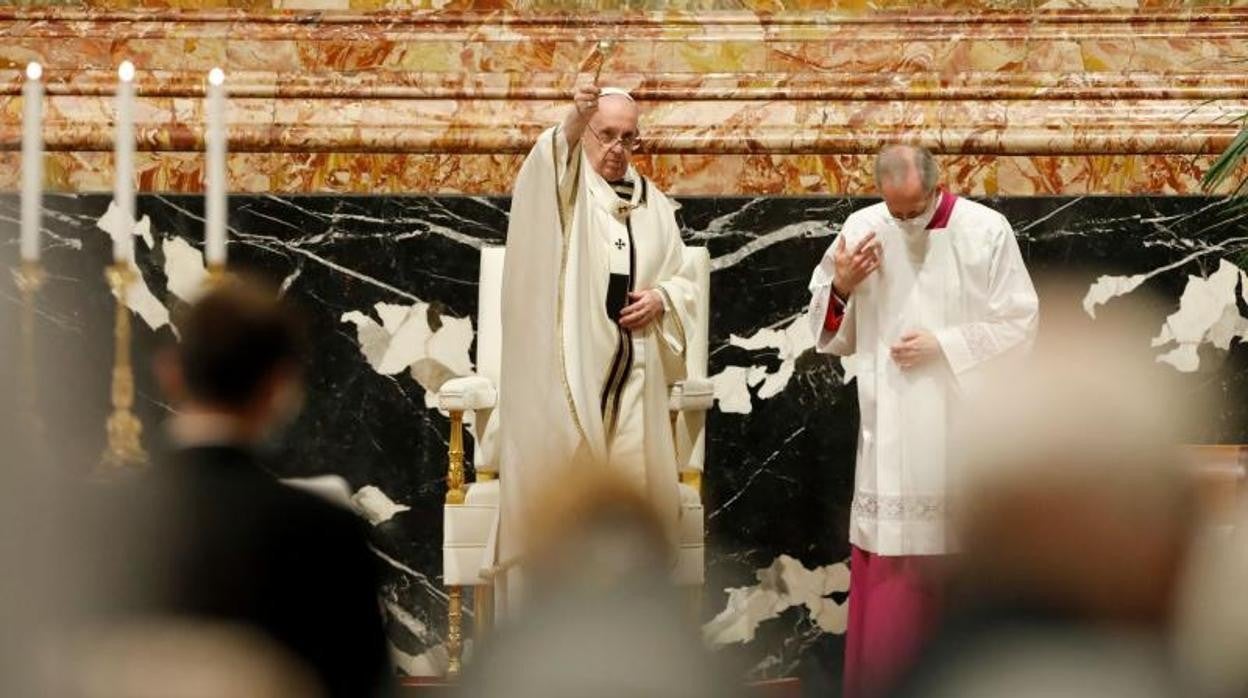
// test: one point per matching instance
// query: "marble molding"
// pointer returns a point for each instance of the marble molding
(726, 127)
(390, 324)
(683, 175)
(1120, 100)
(759, 7)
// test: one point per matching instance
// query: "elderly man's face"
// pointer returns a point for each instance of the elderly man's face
(906, 198)
(611, 130)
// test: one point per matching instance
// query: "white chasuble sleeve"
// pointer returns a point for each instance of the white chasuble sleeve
(682, 302)
(538, 430)
(1007, 314)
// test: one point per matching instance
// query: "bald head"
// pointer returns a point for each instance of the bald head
(906, 177)
(903, 164)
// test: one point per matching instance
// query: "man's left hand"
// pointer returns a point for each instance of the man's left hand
(644, 308)
(915, 349)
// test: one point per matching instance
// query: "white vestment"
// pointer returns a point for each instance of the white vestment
(575, 388)
(966, 284)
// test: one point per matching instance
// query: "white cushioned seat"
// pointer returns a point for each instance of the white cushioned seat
(690, 539)
(467, 531)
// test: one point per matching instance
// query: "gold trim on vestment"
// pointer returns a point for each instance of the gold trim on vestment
(565, 207)
(680, 325)
(621, 367)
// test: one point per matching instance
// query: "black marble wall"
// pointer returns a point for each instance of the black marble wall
(780, 455)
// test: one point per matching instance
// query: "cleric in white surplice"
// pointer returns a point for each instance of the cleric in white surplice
(597, 293)
(923, 290)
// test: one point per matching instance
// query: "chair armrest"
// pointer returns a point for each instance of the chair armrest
(691, 395)
(467, 394)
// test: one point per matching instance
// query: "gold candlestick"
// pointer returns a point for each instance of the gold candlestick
(455, 632)
(125, 450)
(30, 277)
(216, 276)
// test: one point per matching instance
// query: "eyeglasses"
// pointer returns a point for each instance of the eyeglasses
(630, 143)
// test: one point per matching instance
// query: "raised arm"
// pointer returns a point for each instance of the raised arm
(585, 103)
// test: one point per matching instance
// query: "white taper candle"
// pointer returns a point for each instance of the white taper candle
(32, 162)
(214, 175)
(123, 161)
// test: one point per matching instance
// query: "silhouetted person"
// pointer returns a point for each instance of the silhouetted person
(212, 535)
(1074, 520)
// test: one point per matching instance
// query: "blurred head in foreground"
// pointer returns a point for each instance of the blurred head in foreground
(604, 619)
(221, 538)
(181, 658)
(596, 532)
(1072, 493)
(240, 361)
(1212, 637)
(1074, 513)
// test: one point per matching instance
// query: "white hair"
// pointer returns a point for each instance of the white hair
(608, 91)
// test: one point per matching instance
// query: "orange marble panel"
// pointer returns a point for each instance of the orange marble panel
(984, 56)
(857, 56)
(343, 56)
(1120, 174)
(80, 171)
(972, 173)
(761, 6)
(1055, 57)
(521, 56)
(662, 87)
(429, 56)
(486, 173)
(200, 55)
(701, 172)
(79, 53)
(264, 56)
(626, 57)
(11, 109)
(10, 171)
(709, 57)
(251, 172)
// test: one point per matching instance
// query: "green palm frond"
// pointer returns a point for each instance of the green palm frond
(1227, 163)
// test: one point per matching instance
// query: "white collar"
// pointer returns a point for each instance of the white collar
(608, 198)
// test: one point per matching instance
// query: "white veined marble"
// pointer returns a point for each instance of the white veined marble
(1207, 314)
(184, 269)
(1207, 310)
(789, 342)
(783, 585)
(400, 337)
(139, 297)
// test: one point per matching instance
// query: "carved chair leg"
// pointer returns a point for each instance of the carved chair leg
(455, 632)
(455, 495)
(483, 610)
(455, 492)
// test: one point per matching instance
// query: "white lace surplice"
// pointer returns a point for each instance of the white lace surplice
(966, 284)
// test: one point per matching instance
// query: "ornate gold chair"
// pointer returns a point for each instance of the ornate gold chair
(470, 520)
